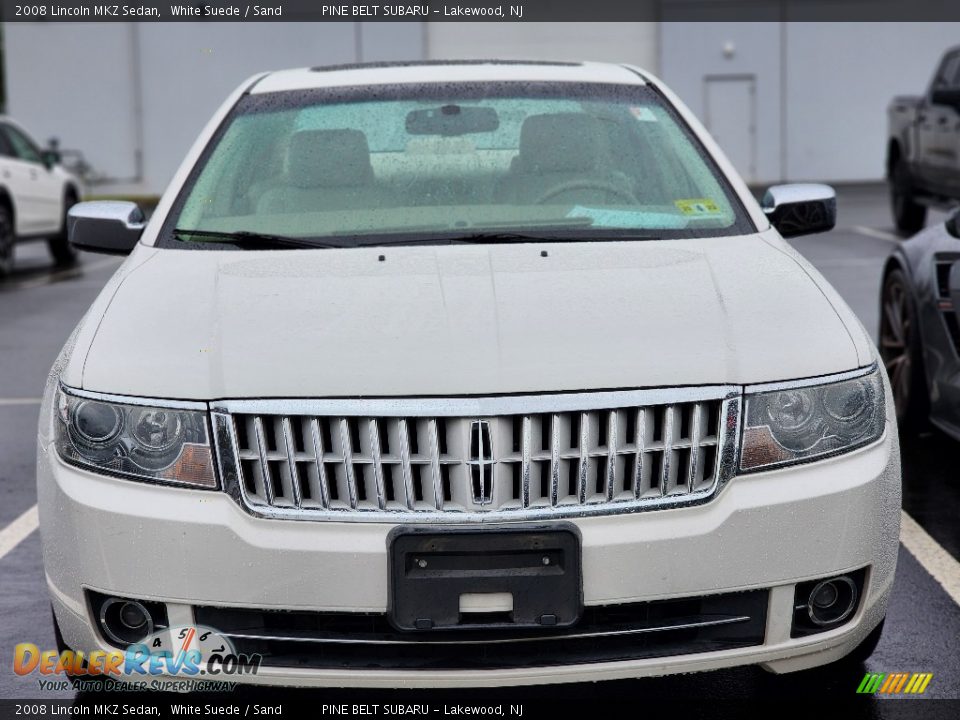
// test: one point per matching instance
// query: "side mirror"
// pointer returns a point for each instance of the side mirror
(50, 158)
(111, 227)
(801, 209)
(946, 96)
(952, 224)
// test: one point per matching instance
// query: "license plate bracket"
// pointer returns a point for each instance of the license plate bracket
(539, 567)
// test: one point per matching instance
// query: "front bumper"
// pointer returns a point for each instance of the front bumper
(767, 531)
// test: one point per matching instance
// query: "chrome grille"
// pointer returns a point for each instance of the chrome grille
(431, 461)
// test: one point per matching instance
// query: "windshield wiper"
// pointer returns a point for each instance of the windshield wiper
(248, 240)
(453, 239)
(499, 237)
(480, 238)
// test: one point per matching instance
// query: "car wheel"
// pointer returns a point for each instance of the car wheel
(6, 242)
(64, 254)
(902, 354)
(908, 214)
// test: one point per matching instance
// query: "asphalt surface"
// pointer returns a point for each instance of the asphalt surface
(40, 305)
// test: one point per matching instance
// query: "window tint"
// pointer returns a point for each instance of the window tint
(584, 161)
(948, 76)
(23, 146)
(6, 149)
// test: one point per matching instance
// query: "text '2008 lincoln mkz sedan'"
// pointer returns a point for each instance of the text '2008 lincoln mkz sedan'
(466, 374)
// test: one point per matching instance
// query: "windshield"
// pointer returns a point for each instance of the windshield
(381, 165)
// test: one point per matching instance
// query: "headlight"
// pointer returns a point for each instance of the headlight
(806, 422)
(159, 444)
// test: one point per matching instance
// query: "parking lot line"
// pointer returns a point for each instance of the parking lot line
(18, 530)
(878, 234)
(20, 401)
(941, 565)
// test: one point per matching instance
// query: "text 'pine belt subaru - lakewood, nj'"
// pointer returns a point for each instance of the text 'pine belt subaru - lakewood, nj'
(473, 373)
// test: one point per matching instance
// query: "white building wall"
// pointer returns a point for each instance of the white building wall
(840, 79)
(116, 91)
(822, 89)
(74, 82)
(634, 43)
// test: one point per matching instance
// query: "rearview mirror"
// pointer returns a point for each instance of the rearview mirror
(801, 209)
(452, 120)
(112, 227)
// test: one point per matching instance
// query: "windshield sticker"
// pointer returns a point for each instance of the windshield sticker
(643, 113)
(698, 207)
(633, 219)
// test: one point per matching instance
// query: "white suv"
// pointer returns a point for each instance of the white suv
(35, 194)
(466, 374)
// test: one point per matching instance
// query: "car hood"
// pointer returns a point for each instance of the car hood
(464, 319)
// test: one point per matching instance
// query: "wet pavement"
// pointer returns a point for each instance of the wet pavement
(41, 305)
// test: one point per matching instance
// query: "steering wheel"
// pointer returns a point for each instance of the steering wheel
(586, 184)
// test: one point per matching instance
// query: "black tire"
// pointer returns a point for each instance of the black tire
(908, 215)
(7, 241)
(902, 353)
(64, 254)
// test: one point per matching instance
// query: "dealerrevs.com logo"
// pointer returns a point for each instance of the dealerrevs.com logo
(197, 656)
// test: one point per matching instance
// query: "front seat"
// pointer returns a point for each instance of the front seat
(326, 170)
(559, 150)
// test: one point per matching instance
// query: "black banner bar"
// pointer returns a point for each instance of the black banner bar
(481, 10)
(321, 705)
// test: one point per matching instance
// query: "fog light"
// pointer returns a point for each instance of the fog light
(125, 621)
(133, 615)
(825, 595)
(826, 603)
(832, 601)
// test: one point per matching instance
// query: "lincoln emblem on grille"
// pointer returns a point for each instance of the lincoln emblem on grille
(481, 462)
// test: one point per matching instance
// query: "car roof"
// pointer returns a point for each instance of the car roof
(393, 73)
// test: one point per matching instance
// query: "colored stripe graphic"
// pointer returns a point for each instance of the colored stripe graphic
(914, 683)
(890, 682)
(894, 683)
(871, 683)
(922, 685)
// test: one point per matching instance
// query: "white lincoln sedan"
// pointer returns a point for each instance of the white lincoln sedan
(474, 373)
